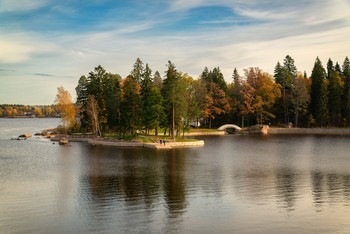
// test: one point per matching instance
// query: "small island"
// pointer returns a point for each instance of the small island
(140, 140)
(147, 110)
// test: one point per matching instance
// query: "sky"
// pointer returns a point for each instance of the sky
(45, 44)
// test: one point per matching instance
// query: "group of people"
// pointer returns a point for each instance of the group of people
(162, 141)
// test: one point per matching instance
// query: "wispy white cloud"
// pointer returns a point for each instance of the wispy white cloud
(21, 47)
(13, 51)
(23, 5)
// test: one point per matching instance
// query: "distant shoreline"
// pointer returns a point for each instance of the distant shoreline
(28, 117)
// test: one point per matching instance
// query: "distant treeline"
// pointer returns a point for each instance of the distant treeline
(40, 111)
(145, 101)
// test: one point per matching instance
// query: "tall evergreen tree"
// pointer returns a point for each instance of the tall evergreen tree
(235, 77)
(330, 68)
(157, 80)
(218, 78)
(205, 75)
(130, 106)
(324, 111)
(285, 75)
(95, 88)
(346, 97)
(112, 97)
(338, 68)
(105, 88)
(137, 71)
(278, 73)
(173, 93)
(234, 93)
(146, 87)
(334, 97)
(290, 71)
(318, 104)
(82, 97)
(156, 110)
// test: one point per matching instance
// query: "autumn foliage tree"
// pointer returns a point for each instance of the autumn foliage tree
(300, 97)
(66, 107)
(266, 93)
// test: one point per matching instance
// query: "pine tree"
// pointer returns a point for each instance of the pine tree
(338, 68)
(82, 96)
(334, 94)
(278, 73)
(318, 104)
(285, 75)
(346, 97)
(156, 110)
(130, 106)
(205, 75)
(157, 80)
(137, 71)
(330, 68)
(174, 97)
(235, 77)
(323, 108)
(218, 78)
(112, 97)
(95, 87)
(146, 87)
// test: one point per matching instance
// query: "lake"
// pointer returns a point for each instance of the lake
(234, 184)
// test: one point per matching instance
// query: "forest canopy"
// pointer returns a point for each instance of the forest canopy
(145, 101)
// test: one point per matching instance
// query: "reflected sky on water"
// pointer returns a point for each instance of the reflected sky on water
(235, 184)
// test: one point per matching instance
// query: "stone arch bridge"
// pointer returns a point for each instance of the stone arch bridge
(230, 128)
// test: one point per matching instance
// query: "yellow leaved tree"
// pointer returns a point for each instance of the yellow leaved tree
(66, 107)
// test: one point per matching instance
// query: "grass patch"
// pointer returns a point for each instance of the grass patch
(151, 138)
(203, 130)
(180, 139)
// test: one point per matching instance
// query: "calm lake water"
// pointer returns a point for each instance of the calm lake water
(235, 184)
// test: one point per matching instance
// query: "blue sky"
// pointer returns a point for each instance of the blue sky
(47, 43)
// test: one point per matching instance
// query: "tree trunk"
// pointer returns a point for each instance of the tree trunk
(296, 118)
(285, 105)
(173, 122)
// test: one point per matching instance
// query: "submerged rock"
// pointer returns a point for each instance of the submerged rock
(63, 141)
